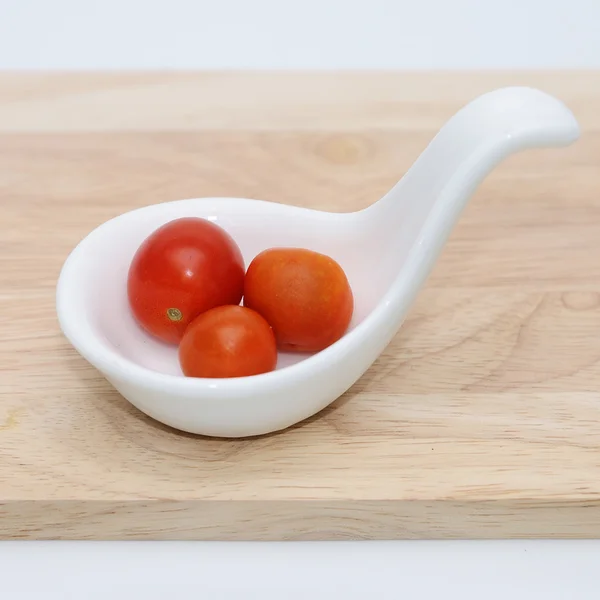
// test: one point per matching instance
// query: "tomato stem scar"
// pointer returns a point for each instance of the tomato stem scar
(174, 314)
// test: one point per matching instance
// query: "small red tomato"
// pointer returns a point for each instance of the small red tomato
(304, 295)
(183, 269)
(228, 341)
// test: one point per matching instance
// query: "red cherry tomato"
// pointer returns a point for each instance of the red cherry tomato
(183, 269)
(228, 341)
(304, 295)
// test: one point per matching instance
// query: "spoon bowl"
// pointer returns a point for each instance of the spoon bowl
(386, 250)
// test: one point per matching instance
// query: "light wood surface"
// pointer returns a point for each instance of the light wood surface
(481, 419)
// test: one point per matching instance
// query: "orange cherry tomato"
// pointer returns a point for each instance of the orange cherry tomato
(183, 269)
(304, 295)
(228, 341)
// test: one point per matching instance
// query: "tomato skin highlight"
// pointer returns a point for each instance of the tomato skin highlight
(304, 295)
(228, 341)
(183, 269)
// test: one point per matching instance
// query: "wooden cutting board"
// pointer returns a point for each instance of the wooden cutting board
(481, 419)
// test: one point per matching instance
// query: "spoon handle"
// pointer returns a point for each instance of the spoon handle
(467, 148)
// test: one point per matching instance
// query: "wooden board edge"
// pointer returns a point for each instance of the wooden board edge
(298, 520)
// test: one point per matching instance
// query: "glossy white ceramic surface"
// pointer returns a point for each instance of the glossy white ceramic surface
(386, 250)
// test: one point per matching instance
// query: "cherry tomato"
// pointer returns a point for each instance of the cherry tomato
(304, 295)
(228, 341)
(184, 268)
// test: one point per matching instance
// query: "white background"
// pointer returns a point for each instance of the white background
(305, 34)
(283, 34)
(511, 570)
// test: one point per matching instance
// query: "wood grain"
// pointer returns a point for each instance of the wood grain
(481, 418)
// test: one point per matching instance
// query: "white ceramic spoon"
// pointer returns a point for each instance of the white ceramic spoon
(386, 250)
